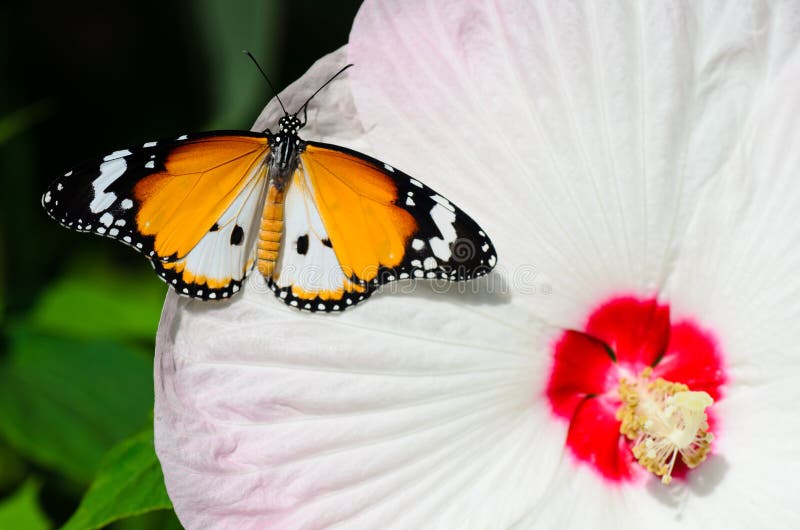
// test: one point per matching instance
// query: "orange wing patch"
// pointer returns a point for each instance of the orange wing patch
(356, 201)
(338, 294)
(190, 277)
(200, 180)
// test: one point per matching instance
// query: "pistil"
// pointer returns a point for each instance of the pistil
(664, 419)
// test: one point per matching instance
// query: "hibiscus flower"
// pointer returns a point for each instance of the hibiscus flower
(636, 166)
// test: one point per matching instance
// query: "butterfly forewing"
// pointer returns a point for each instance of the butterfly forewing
(406, 228)
(190, 204)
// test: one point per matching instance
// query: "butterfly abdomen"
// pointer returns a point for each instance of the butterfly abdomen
(269, 236)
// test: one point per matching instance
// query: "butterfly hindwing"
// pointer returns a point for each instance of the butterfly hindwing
(179, 202)
(215, 268)
(308, 274)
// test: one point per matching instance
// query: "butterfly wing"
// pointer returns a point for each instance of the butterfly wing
(190, 205)
(362, 223)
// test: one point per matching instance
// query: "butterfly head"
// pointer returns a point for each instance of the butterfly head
(290, 124)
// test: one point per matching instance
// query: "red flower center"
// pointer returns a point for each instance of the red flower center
(621, 338)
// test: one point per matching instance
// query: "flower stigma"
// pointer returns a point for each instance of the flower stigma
(664, 419)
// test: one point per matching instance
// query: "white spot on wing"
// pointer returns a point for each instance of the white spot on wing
(116, 154)
(182, 137)
(107, 219)
(444, 202)
(444, 219)
(430, 263)
(150, 164)
(417, 244)
(126, 204)
(150, 144)
(109, 173)
(415, 182)
(388, 168)
(47, 197)
(410, 201)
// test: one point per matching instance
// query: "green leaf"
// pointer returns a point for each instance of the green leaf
(128, 483)
(64, 403)
(12, 467)
(101, 303)
(157, 520)
(21, 511)
(23, 119)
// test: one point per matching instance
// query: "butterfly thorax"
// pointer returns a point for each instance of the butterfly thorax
(285, 148)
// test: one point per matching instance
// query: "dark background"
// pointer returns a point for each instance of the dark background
(78, 313)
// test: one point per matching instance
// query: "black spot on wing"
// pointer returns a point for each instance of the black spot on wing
(327, 243)
(302, 245)
(214, 228)
(237, 235)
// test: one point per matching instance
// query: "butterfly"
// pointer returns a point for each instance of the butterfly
(324, 225)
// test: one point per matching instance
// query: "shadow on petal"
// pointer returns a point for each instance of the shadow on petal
(492, 289)
(709, 475)
(703, 480)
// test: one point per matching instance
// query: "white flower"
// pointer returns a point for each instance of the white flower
(639, 155)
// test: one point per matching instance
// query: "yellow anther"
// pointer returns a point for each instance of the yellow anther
(664, 419)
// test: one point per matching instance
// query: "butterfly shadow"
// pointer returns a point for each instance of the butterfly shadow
(491, 289)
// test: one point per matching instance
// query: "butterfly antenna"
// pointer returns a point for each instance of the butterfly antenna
(326, 83)
(247, 52)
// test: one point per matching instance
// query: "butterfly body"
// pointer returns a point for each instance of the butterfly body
(324, 225)
(283, 160)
